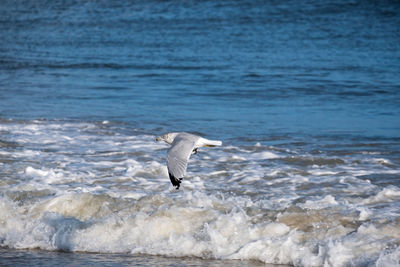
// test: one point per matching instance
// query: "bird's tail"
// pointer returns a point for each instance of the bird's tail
(212, 143)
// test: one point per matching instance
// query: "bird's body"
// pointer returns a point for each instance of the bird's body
(182, 146)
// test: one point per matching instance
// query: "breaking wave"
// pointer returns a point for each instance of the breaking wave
(103, 187)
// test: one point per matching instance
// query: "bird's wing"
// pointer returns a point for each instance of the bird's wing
(178, 155)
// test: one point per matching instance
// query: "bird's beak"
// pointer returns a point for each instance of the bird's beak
(158, 139)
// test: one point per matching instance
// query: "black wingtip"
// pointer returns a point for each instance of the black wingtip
(175, 182)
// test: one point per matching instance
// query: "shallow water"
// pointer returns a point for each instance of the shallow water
(49, 258)
(304, 96)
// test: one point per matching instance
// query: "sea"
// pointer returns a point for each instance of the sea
(304, 95)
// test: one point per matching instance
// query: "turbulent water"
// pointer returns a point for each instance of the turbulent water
(304, 95)
(104, 187)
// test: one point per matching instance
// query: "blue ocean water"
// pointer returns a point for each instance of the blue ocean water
(235, 68)
(304, 95)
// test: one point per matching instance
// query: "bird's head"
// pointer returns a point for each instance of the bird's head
(168, 138)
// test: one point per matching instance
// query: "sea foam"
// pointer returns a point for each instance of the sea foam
(94, 188)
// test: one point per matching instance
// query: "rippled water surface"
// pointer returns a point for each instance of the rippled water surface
(305, 97)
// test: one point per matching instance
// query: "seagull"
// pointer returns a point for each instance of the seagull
(183, 145)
